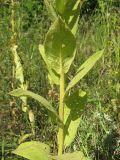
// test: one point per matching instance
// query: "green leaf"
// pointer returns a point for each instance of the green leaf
(71, 14)
(42, 52)
(60, 5)
(53, 76)
(51, 10)
(18, 66)
(74, 107)
(71, 156)
(24, 137)
(19, 75)
(60, 46)
(84, 69)
(33, 150)
(20, 92)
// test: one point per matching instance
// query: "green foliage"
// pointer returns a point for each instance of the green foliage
(74, 107)
(98, 27)
(21, 92)
(71, 156)
(60, 5)
(71, 14)
(59, 51)
(33, 150)
(53, 77)
(84, 69)
(51, 10)
(18, 67)
(19, 76)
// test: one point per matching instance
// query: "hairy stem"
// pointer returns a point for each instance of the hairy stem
(61, 114)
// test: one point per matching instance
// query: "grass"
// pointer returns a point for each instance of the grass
(97, 136)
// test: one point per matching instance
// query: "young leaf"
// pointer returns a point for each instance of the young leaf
(74, 107)
(20, 92)
(33, 151)
(60, 46)
(51, 10)
(84, 69)
(70, 156)
(53, 76)
(24, 137)
(60, 5)
(71, 14)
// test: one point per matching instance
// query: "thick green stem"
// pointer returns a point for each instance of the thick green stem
(61, 114)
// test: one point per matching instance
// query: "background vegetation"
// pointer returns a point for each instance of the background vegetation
(99, 26)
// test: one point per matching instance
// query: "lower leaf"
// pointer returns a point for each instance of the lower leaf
(21, 92)
(74, 107)
(71, 156)
(33, 150)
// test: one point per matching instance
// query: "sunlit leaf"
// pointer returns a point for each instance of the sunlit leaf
(42, 52)
(71, 156)
(60, 46)
(19, 76)
(74, 107)
(53, 76)
(84, 69)
(71, 14)
(51, 10)
(33, 151)
(60, 5)
(31, 116)
(24, 137)
(18, 66)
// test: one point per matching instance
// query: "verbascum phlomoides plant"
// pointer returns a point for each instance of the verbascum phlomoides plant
(58, 52)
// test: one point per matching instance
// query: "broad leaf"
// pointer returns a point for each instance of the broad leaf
(74, 107)
(43, 101)
(33, 151)
(71, 156)
(53, 76)
(51, 10)
(84, 69)
(60, 46)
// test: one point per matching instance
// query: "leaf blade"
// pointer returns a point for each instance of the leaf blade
(71, 156)
(60, 6)
(51, 10)
(20, 92)
(74, 107)
(59, 49)
(33, 150)
(71, 14)
(84, 69)
(53, 77)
